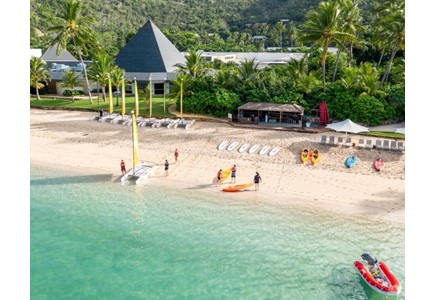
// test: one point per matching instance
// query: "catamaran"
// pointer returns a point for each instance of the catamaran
(140, 171)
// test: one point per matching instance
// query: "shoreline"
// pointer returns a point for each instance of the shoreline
(97, 148)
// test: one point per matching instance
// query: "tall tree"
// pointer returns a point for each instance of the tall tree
(292, 33)
(351, 25)
(390, 29)
(279, 28)
(100, 69)
(39, 73)
(117, 76)
(73, 29)
(324, 27)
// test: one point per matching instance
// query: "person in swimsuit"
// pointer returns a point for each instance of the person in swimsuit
(123, 167)
(176, 155)
(234, 174)
(219, 177)
(257, 179)
(167, 166)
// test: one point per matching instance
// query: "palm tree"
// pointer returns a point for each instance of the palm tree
(39, 72)
(292, 33)
(351, 25)
(296, 68)
(100, 69)
(248, 70)
(351, 78)
(324, 27)
(279, 28)
(195, 65)
(73, 29)
(182, 83)
(369, 79)
(225, 78)
(390, 29)
(117, 76)
(70, 81)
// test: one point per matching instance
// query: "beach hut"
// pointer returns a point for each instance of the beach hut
(271, 114)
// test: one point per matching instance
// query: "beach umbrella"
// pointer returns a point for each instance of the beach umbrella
(401, 130)
(347, 126)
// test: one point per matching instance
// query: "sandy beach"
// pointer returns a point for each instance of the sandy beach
(70, 140)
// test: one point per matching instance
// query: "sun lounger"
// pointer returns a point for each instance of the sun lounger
(386, 144)
(361, 143)
(401, 146)
(332, 139)
(323, 139)
(340, 141)
(378, 144)
(394, 145)
(368, 144)
(348, 142)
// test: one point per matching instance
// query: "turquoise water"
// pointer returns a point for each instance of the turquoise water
(92, 238)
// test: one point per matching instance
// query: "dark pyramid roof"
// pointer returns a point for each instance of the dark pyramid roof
(50, 55)
(149, 51)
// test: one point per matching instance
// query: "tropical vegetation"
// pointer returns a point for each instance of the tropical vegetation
(363, 80)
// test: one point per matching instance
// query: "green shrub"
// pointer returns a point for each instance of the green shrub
(218, 103)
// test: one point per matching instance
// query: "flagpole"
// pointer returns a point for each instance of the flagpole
(123, 97)
(111, 107)
(136, 97)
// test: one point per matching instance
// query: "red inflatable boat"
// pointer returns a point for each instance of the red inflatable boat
(386, 283)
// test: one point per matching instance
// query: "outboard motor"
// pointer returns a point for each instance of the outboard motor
(369, 258)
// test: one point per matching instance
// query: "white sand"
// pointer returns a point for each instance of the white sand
(64, 139)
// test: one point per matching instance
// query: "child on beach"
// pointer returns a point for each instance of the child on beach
(257, 179)
(234, 174)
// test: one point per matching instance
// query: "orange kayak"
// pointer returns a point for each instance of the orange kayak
(238, 187)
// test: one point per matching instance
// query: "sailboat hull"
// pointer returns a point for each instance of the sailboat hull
(140, 173)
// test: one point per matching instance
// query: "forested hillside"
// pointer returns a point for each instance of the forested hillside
(182, 20)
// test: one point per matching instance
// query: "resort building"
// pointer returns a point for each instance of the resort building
(149, 58)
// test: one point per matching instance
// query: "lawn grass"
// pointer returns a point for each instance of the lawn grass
(84, 104)
(384, 134)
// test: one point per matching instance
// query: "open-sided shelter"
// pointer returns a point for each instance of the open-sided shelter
(272, 114)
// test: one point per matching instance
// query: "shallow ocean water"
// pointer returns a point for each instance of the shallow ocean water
(92, 238)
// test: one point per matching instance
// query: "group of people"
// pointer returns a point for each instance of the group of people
(166, 164)
(257, 179)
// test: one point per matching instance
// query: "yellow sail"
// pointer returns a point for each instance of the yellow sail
(135, 142)
(111, 106)
(123, 98)
(136, 99)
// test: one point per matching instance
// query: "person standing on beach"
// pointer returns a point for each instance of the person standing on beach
(123, 167)
(234, 174)
(219, 177)
(257, 179)
(176, 155)
(167, 166)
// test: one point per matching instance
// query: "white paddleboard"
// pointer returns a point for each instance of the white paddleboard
(274, 151)
(253, 148)
(222, 145)
(264, 150)
(232, 146)
(243, 148)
